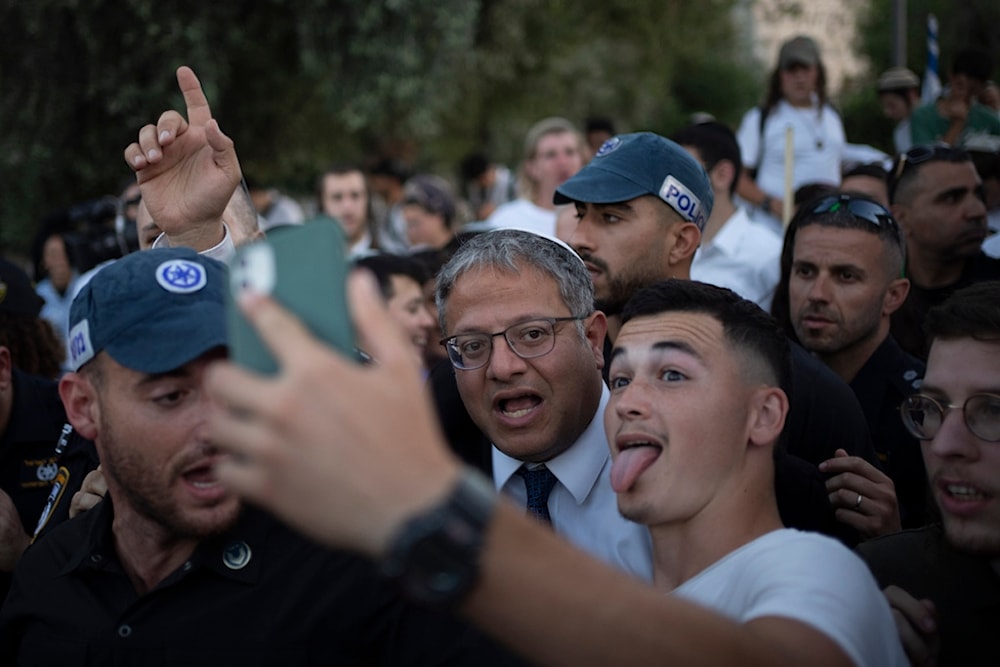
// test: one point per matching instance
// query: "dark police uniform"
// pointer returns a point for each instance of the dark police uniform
(889, 376)
(33, 467)
(965, 589)
(260, 595)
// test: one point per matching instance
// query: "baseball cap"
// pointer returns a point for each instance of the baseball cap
(643, 163)
(897, 78)
(16, 293)
(798, 50)
(151, 311)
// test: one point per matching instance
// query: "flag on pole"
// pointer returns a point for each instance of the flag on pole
(932, 81)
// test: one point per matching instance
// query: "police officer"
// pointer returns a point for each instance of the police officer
(846, 280)
(39, 456)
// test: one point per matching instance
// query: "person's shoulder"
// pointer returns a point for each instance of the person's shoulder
(65, 545)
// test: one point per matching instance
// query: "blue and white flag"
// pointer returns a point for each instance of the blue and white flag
(932, 81)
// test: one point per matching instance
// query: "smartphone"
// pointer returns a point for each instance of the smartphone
(302, 267)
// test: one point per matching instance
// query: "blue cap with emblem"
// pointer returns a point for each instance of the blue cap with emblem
(643, 163)
(151, 311)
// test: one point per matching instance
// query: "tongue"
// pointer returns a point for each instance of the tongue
(629, 464)
(522, 403)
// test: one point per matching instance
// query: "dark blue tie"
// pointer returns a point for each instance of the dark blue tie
(539, 483)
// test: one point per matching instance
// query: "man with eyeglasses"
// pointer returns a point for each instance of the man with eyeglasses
(846, 280)
(525, 344)
(943, 581)
(936, 197)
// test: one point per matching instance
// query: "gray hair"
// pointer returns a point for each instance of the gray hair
(510, 250)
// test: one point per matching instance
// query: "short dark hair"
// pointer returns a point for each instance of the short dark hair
(385, 265)
(872, 169)
(841, 217)
(971, 312)
(973, 63)
(714, 142)
(474, 165)
(599, 124)
(744, 324)
(33, 343)
(905, 168)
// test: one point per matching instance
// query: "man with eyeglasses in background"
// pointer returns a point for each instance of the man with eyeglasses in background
(846, 280)
(526, 347)
(943, 581)
(936, 197)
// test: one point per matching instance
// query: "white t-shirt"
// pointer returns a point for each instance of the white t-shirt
(818, 143)
(807, 577)
(523, 214)
(744, 256)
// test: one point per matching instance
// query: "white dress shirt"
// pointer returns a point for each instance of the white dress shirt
(582, 504)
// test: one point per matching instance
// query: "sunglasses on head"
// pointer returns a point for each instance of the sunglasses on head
(863, 209)
(926, 153)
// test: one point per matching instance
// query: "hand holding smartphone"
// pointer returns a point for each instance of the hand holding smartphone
(302, 267)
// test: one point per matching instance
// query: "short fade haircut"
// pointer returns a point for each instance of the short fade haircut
(510, 251)
(889, 234)
(744, 324)
(714, 142)
(973, 63)
(904, 172)
(385, 265)
(971, 312)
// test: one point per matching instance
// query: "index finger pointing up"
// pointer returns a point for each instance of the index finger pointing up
(198, 111)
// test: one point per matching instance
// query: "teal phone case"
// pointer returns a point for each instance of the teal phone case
(303, 267)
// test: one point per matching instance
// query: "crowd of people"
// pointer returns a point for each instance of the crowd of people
(631, 404)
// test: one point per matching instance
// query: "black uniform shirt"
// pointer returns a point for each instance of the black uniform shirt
(260, 595)
(889, 376)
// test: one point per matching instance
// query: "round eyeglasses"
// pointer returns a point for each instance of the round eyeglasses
(527, 339)
(924, 415)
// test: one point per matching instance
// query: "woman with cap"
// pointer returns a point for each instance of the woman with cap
(796, 98)
(430, 211)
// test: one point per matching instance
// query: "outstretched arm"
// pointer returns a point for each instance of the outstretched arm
(348, 454)
(187, 169)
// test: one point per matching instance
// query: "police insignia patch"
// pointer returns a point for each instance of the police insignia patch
(181, 276)
(608, 146)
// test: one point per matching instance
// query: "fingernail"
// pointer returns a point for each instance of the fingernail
(154, 155)
(822, 466)
(138, 160)
(928, 624)
(164, 135)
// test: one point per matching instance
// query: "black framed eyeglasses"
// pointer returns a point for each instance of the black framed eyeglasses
(923, 415)
(527, 339)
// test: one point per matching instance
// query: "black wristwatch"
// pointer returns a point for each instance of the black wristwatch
(435, 556)
(765, 204)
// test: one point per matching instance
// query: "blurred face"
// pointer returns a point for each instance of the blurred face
(837, 288)
(532, 409)
(894, 107)
(944, 217)
(424, 228)
(56, 262)
(345, 198)
(798, 83)
(557, 157)
(406, 305)
(152, 442)
(625, 247)
(964, 471)
(677, 419)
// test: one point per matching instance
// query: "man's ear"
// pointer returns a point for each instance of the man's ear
(596, 328)
(769, 409)
(687, 237)
(79, 397)
(895, 295)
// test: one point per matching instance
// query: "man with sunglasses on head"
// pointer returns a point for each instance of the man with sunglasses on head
(846, 280)
(943, 581)
(936, 197)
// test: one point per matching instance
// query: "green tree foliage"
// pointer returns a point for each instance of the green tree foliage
(304, 83)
